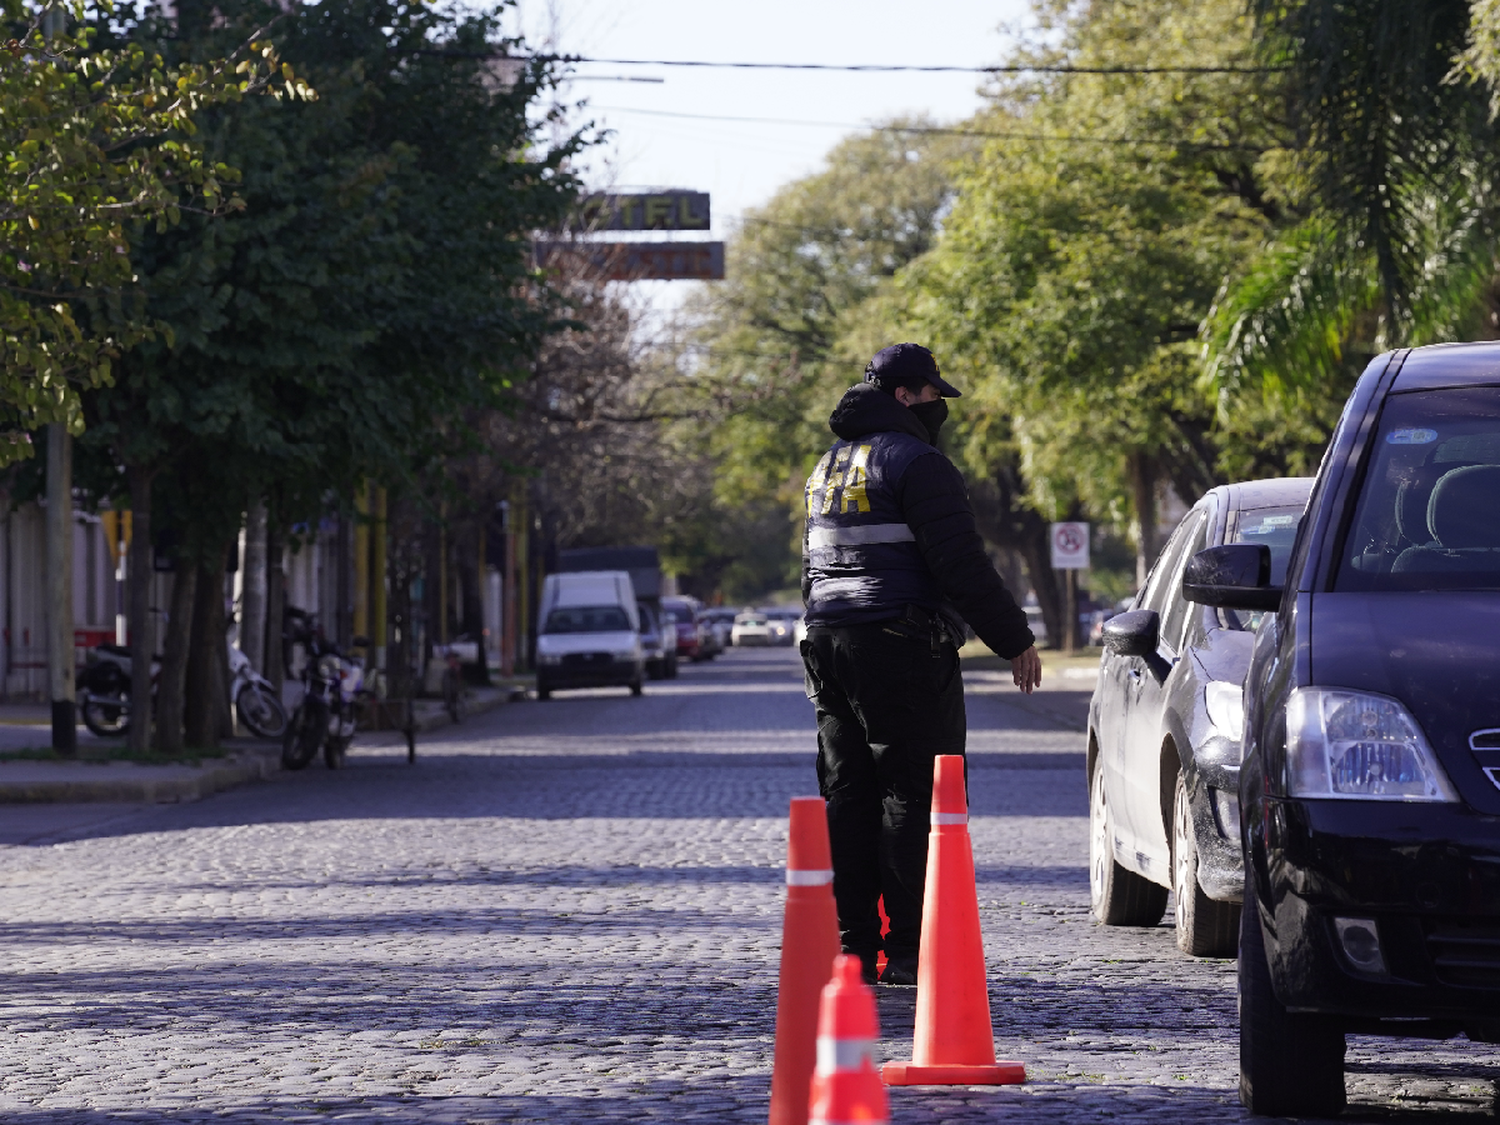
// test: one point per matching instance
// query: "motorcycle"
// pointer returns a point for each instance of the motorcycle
(104, 690)
(104, 693)
(255, 700)
(325, 718)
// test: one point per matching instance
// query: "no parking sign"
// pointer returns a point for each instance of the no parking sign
(1070, 546)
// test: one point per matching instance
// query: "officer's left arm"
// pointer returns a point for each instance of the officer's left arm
(935, 504)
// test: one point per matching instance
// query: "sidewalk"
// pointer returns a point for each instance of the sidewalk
(27, 726)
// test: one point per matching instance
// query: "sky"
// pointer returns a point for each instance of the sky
(741, 164)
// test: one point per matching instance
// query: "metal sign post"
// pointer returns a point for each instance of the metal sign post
(1070, 554)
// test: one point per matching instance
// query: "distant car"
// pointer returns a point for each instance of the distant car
(1164, 730)
(720, 622)
(682, 614)
(783, 621)
(1370, 793)
(661, 659)
(755, 629)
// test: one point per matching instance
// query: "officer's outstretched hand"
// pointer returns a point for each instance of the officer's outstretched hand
(1026, 670)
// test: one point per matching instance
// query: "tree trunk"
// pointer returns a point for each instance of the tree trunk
(169, 694)
(275, 669)
(1143, 471)
(139, 571)
(1036, 550)
(60, 659)
(253, 598)
(204, 704)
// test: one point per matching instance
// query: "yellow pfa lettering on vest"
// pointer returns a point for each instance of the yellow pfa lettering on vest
(835, 485)
(818, 480)
(854, 499)
(840, 477)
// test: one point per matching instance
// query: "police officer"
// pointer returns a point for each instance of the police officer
(892, 567)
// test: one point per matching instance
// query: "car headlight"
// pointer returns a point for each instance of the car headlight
(548, 658)
(1225, 705)
(1353, 745)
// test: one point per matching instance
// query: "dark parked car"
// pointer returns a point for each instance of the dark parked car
(660, 654)
(1369, 802)
(1164, 731)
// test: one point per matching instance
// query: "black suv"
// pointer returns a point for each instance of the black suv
(1370, 788)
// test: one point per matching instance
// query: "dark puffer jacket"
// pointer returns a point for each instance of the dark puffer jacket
(933, 501)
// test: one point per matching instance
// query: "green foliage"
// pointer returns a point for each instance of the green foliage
(375, 285)
(1387, 141)
(95, 138)
(1073, 279)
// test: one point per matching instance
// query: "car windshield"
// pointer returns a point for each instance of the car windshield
(1271, 527)
(1426, 519)
(759, 621)
(587, 619)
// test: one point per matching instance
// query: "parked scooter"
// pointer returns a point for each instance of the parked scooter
(104, 693)
(104, 690)
(325, 718)
(255, 700)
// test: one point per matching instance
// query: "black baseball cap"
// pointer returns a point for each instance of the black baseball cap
(902, 363)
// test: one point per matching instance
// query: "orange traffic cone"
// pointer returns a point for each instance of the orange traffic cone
(809, 943)
(955, 1044)
(846, 1087)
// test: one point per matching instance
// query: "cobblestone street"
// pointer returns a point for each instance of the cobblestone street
(570, 911)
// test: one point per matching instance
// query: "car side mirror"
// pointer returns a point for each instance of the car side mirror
(1133, 633)
(1234, 576)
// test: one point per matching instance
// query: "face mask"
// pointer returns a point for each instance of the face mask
(932, 415)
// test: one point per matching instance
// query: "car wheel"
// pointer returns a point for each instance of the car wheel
(1205, 926)
(1291, 1064)
(1117, 897)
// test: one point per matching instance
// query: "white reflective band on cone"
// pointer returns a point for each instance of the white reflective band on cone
(950, 818)
(808, 878)
(844, 1054)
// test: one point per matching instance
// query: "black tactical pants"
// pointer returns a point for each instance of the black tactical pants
(889, 700)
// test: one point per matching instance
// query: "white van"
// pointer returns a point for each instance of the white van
(588, 633)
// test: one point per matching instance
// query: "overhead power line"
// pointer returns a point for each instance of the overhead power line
(941, 131)
(890, 68)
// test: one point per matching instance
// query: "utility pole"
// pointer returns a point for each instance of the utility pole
(60, 588)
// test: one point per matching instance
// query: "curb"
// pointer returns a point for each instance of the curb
(431, 716)
(142, 787)
(133, 783)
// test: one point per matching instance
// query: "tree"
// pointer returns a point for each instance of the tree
(96, 138)
(1390, 184)
(375, 286)
(1081, 258)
